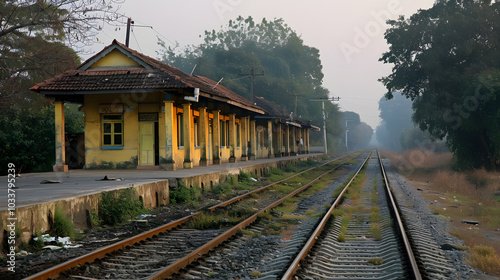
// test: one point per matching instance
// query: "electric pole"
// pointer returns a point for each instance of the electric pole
(252, 75)
(127, 38)
(324, 117)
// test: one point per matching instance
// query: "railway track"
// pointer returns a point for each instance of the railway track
(357, 234)
(158, 248)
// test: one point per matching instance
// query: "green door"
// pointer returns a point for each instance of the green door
(146, 143)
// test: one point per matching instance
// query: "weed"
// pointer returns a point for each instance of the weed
(34, 245)
(485, 259)
(273, 171)
(95, 221)
(255, 273)
(341, 237)
(63, 226)
(244, 177)
(289, 205)
(293, 217)
(375, 231)
(184, 195)
(265, 216)
(249, 233)
(376, 261)
(116, 210)
(375, 215)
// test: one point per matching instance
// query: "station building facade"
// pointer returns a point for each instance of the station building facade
(142, 113)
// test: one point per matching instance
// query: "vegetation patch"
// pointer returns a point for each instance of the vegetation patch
(289, 205)
(184, 195)
(376, 261)
(63, 226)
(115, 210)
(485, 259)
(219, 219)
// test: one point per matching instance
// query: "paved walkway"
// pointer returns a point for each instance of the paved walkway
(30, 190)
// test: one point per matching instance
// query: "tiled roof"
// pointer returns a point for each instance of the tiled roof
(160, 76)
(272, 108)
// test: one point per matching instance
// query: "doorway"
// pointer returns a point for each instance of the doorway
(148, 139)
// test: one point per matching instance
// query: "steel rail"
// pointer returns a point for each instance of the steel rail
(198, 253)
(292, 269)
(237, 198)
(411, 257)
(102, 252)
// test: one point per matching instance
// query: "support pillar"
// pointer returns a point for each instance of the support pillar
(301, 141)
(60, 164)
(188, 118)
(270, 138)
(216, 137)
(253, 141)
(306, 140)
(279, 138)
(202, 135)
(294, 141)
(244, 138)
(232, 137)
(170, 118)
(287, 140)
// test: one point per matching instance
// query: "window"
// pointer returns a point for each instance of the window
(112, 130)
(180, 130)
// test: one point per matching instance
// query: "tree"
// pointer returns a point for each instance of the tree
(447, 61)
(35, 44)
(292, 69)
(35, 40)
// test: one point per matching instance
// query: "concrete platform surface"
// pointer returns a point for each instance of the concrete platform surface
(30, 190)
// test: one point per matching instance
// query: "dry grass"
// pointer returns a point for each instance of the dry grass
(473, 195)
(485, 258)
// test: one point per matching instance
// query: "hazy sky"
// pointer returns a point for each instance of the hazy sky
(349, 35)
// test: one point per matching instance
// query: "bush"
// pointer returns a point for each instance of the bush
(63, 226)
(116, 210)
(182, 194)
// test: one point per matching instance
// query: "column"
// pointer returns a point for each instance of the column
(294, 141)
(253, 141)
(202, 135)
(301, 142)
(270, 138)
(170, 118)
(188, 118)
(232, 137)
(60, 164)
(287, 140)
(278, 140)
(216, 137)
(306, 140)
(244, 138)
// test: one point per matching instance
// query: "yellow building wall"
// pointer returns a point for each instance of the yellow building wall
(116, 59)
(145, 103)
(93, 152)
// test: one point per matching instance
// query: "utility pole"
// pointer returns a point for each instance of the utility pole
(252, 74)
(346, 130)
(127, 38)
(324, 117)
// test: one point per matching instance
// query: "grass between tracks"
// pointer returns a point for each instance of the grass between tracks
(456, 196)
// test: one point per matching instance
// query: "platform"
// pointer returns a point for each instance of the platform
(75, 183)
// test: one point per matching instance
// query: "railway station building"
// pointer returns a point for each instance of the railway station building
(142, 113)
